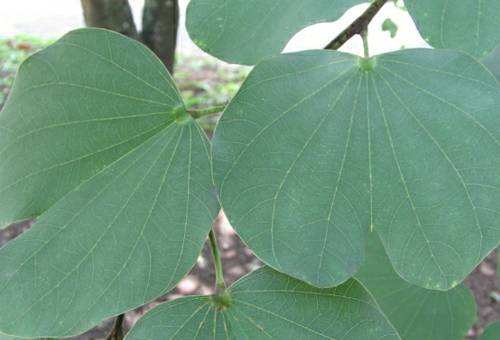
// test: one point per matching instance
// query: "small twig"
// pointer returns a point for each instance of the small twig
(205, 112)
(117, 331)
(358, 26)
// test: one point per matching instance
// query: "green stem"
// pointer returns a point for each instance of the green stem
(366, 48)
(205, 112)
(219, 273)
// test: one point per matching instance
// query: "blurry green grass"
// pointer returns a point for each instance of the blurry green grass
(203, 80)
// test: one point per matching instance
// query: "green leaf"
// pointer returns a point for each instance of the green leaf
(415, 312)
(492, 332)
(469, 25)
(243, 32)
(319, 147)
(7, 337)
(492, 62)
(75, 108)
(129, 222)
(268, 305)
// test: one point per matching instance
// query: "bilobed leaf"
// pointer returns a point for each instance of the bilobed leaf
(76, 107)
(126, 224)
(269, 305)
(467, 25)
(415, 312)
(492, 332)
(319, 147)
(245, 32)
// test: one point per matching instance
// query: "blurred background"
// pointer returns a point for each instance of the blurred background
(29, 25)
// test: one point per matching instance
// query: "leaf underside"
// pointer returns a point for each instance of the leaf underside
(126, 191)
(471, 26)
(75, 108)
(269, 305)
(314, 151)
(492, 62)
(492, 332)
(238, 31)
(415, 312)
(7, 337)
(245, 32)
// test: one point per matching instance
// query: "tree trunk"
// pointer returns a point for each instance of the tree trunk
(115, 15)
(160, 21)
